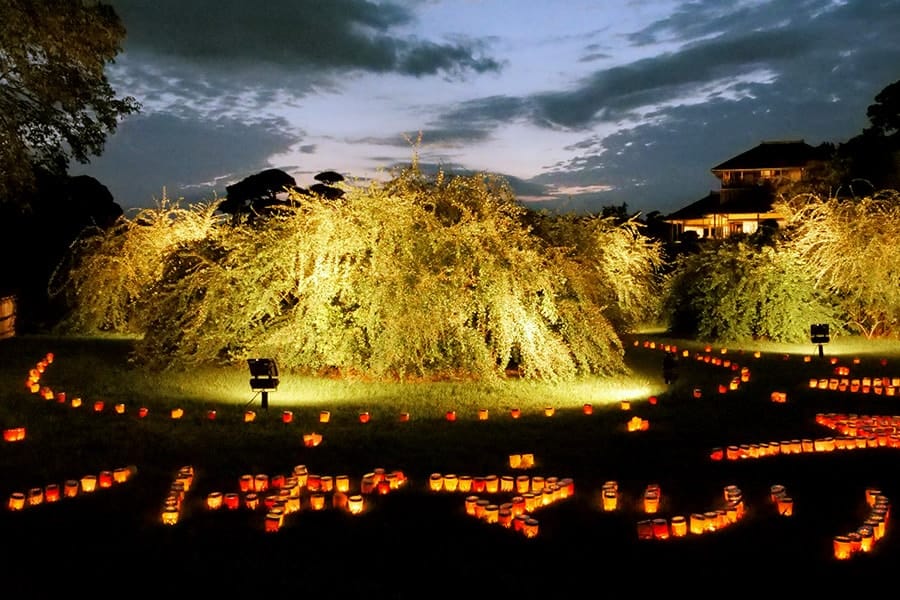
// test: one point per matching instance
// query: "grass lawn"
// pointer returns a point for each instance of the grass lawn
(412, 542)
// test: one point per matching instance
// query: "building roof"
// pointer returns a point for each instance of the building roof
(748, 201)
(771, 155)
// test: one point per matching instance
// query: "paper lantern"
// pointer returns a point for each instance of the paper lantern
(324, 416)
(660, 528)
(527, 461)
(342, 483)
(311, 440)
(609, 499)
(451, 415)
(451, 482)
(35, 496)
(16, 501)
(515, 413)
(88, 483)
(678, 526)
(491, 484)
(214, 500)
(652, 400)
(119, 408)
(98, 406)
(549, 411)
(532, 528)
(515, 461)
(587, 409)
(121, 474)
(105, 479)
(273, 521)
(697, 523)
(404, 417)
(651, 502)
(71, 488)
(697, 393)
(842, 547)
(465, 483)
(260, 482)
(251, 500)
(14, 434)
(716, 454)
(355, 504)
(778, 397)
(61, 397)
(249, 416)
(625, 405)
(482, 414)
(231, 501)
(177, 413)
(317, 501)
(142, 411)
(364, 417)
(287, 416)
(436, 482)
(47, 393)
(478, 484)
(785, 506)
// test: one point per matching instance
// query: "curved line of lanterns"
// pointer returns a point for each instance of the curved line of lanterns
(282, 495)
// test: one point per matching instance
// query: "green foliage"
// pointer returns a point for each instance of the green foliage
(732, 291)
(415, 278)
(849, 249)
(55, 101)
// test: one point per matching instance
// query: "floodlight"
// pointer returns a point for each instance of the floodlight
(263, 377)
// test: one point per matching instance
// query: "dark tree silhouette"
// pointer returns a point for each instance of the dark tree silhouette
(253, 194)
(329, 177)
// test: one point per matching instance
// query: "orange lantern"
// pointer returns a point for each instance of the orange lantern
(482, 414)
(317, 501)
(119, 408)
(177, 413)
(231, 501)
(51, 492)
(70, 488)
(105, 480)
(311, 440)
(287, 416)
(214, 500)
(697, 393)
(211, 415)
(549, 411)
(587, 409)
(142, 411)
(98, 406)
(515, 461)
(16, 501)
(652, 400)
(88, 483)
(404, 417)
(626, 405)
(364, 417)
(249, 416)
(451, 415)
(61, 397)
(355, 504)
(515, 413)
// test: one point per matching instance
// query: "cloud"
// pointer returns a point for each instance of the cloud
(189, 157)
(337, 36)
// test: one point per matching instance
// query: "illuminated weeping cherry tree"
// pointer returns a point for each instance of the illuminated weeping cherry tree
(410, 278)
(849, 247)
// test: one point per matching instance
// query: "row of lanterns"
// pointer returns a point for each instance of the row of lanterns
(887, 386)
(71, 488)
(515, 514)
(181, 485)
(678, 526)
(545, 488)
(871, 531)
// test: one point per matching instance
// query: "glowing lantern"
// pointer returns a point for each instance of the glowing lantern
(842, 547)
(507, 483)
(678, 526)
(61, 397)
(35, 496)
(532, 528)
(491, 484)
(98, 406)
(450, 482)
(214, 500)
(404, 417)
(326, 483)
(287, 416)
(121, 474)
(249, 416)
(652, 400)
(51, 492)
(142, 411)
(70, 488)
(610, 499)
(515, 413)
(549, 411)
(785, 506)
(324, 416)
(698, 523)
(105, 479)
(47, 393)
(273, 521)
(451, 415)
(177, 413)
(251, 501)
(527, 461)
(260, 482)
(342, 483)
(697, 393)
(651, 502)
(491, 513)
(311, 440)
(232, 501)
(482, 414)
(523, 484)
(436, 482)
(626, 405)
(88, 483)
(587, 409)
(515, 461)
(16, 501)
(14, 434)
(778, 397)
(716, 454)
(660, 528)
(317, 501)
(478, 484)
(364, 417)
(355, 504)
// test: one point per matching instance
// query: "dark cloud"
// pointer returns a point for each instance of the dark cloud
(184, 156)
(330, 37)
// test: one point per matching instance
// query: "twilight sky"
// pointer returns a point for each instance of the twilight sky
(580, 104)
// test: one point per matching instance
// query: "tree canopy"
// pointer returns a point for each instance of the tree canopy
(56, 103)
(415, 277)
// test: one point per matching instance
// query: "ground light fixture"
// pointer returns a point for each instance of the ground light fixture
(263, 378)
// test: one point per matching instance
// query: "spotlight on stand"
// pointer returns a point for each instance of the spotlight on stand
(263, 378)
